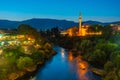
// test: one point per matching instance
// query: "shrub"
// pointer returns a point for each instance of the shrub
(24, 62)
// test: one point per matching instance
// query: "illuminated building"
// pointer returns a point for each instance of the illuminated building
(73, 31)
(8, 39)
(115, 27)
(80, 26)
(82, 30)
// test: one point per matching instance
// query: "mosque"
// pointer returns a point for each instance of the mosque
(82, 30)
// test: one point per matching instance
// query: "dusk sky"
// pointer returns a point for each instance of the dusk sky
(97, 10)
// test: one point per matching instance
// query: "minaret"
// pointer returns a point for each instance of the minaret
(80, 25)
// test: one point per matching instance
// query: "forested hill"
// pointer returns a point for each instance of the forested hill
(44, 24)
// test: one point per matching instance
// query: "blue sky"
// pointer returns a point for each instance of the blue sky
(99, 10)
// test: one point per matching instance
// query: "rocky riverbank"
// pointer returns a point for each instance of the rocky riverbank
(97, 71)
(27, 72)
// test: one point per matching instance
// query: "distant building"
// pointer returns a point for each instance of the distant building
(8, 31)
(115, 27)
(73, 31)
(2, 31)
(11, 37)
(82, 30)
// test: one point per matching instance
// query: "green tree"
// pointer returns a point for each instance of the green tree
(98, 56)
(85, 45)
(28, 30)
(24, 62)
(108, 66)
(55, 31)
(107, 32)
(107, 47)
(95, 28)
(117, 61)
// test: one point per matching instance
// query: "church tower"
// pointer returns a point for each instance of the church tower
(80, 25)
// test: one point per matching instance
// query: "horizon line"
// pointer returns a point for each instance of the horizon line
(60, 19)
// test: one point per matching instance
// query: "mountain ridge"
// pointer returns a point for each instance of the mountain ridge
(46, 23)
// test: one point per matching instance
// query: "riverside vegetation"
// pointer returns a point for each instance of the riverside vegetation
(18, 60)
(102, 52)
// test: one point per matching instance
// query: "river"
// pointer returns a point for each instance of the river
(64, 66)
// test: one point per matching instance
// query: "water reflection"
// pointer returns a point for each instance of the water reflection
(80, 66)
(82, 69)
(70, 56)
(65, 66)
(63, 53)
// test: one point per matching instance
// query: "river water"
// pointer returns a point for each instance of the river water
(64, 66)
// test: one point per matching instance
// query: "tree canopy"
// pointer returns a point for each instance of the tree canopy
(28, 30)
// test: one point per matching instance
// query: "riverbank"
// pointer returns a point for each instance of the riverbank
(30, 71)
(95, 70)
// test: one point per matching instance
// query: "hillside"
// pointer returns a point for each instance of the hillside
(47, 23)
